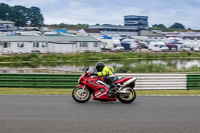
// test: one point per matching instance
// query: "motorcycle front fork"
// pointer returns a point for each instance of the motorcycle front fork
(83, 89)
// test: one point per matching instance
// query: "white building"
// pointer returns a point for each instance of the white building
(48, 44)
(120, 30)
(89, 32)
(183, 35)
(189, 35)
(6, 26)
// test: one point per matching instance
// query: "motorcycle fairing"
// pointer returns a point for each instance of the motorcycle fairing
(102, 96)
(98, 95)
(122, 80)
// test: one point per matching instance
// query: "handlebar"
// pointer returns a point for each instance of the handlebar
(86, 69)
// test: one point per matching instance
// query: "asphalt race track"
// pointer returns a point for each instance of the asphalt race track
(60, 114)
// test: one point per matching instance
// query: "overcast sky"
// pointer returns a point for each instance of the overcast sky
(91, 12)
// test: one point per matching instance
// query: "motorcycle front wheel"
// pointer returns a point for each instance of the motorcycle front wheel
(81, 96)
(127, 98)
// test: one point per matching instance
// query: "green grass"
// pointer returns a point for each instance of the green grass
(168, 92)
(32, 91)
(154, 68)
(93, 56)
(88, 58)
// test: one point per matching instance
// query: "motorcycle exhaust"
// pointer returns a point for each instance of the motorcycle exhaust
(129, 82)
(125, 84)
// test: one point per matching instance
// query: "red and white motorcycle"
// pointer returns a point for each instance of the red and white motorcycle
(98, 88)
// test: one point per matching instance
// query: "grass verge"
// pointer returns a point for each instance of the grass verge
(32, 91)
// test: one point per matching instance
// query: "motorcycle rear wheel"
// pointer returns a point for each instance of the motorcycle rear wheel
(127, 99)
(80, 96)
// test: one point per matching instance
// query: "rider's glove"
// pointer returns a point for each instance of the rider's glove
(94, 73)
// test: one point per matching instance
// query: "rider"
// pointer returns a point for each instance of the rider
(109, 74)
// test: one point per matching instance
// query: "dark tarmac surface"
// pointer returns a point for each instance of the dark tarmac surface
(60, 114)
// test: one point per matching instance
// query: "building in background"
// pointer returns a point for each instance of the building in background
(121, 30)
(48, 44)
(6, 26)
(184, 35)
(141, 22)
(146, 33)
(133, 25)
(89, 32)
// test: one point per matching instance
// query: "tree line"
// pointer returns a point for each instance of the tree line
(174, 26)
(71, 26)
(21, 15)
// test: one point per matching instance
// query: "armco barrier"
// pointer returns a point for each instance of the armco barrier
(62, 81)
(193, 81)
(158, 81)
(69, 81)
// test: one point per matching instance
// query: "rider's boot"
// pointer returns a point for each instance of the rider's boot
(112, 90)
(115, 88)
(110, 93)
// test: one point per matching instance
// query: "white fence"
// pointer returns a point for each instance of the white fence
(158, 81)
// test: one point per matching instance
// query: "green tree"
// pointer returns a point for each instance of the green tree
(70, 26)
(177, 26)
(160, 26)
(35, 17)
(4, 11)
(62, 25)
(155, 26)
(19, 15)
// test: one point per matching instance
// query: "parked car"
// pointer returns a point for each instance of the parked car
(186, 46)
(133, 45)
(117, 47)
(158, 47)
(144, 45)
(196, 47)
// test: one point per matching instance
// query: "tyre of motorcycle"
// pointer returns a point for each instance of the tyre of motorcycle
(124, 98)
(79, 96)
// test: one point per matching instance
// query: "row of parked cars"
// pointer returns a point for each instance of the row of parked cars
(159, 46)
(126, 44)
